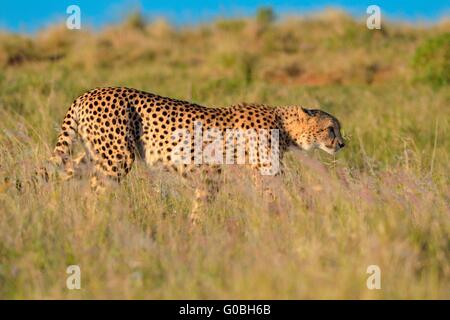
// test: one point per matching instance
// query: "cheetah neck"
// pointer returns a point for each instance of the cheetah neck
(291, 119)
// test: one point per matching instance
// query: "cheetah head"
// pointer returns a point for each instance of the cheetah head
(317, 129)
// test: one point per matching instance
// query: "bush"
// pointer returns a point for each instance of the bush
(265, 16)
(431, 62)
(15, 50)
(136, 20)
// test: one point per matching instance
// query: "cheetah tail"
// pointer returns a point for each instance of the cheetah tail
(66, 137)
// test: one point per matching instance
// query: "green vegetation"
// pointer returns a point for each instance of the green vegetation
(432, 60)
(265, 16)
(383, 200)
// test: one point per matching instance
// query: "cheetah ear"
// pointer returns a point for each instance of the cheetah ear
(307, 112)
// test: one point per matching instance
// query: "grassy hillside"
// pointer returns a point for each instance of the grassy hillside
(383, 200)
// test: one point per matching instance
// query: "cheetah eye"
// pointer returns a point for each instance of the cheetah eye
(331, 131)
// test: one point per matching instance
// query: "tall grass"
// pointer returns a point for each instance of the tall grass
(383, 200)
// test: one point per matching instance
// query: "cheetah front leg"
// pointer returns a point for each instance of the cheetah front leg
(201, 196)
(206, 191)
(265, 186)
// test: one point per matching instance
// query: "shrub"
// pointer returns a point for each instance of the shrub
(136, 20)
(431, 62)
(15, 50)
(265, 16)
(231, 25)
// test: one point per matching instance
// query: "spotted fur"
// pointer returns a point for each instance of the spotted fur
(116, 124)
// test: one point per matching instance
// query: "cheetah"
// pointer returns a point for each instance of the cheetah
(117, 124)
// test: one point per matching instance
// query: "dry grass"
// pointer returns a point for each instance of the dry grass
(384, 200)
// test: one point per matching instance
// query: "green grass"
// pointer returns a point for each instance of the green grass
(383, 200)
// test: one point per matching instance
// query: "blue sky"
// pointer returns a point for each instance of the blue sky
(29, 16)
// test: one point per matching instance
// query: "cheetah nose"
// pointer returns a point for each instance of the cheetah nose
(341, 144)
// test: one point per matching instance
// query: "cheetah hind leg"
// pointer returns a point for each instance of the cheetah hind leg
(52, 168)
(73, 167)
(108, 175)
(98, 184)
(101, 179)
